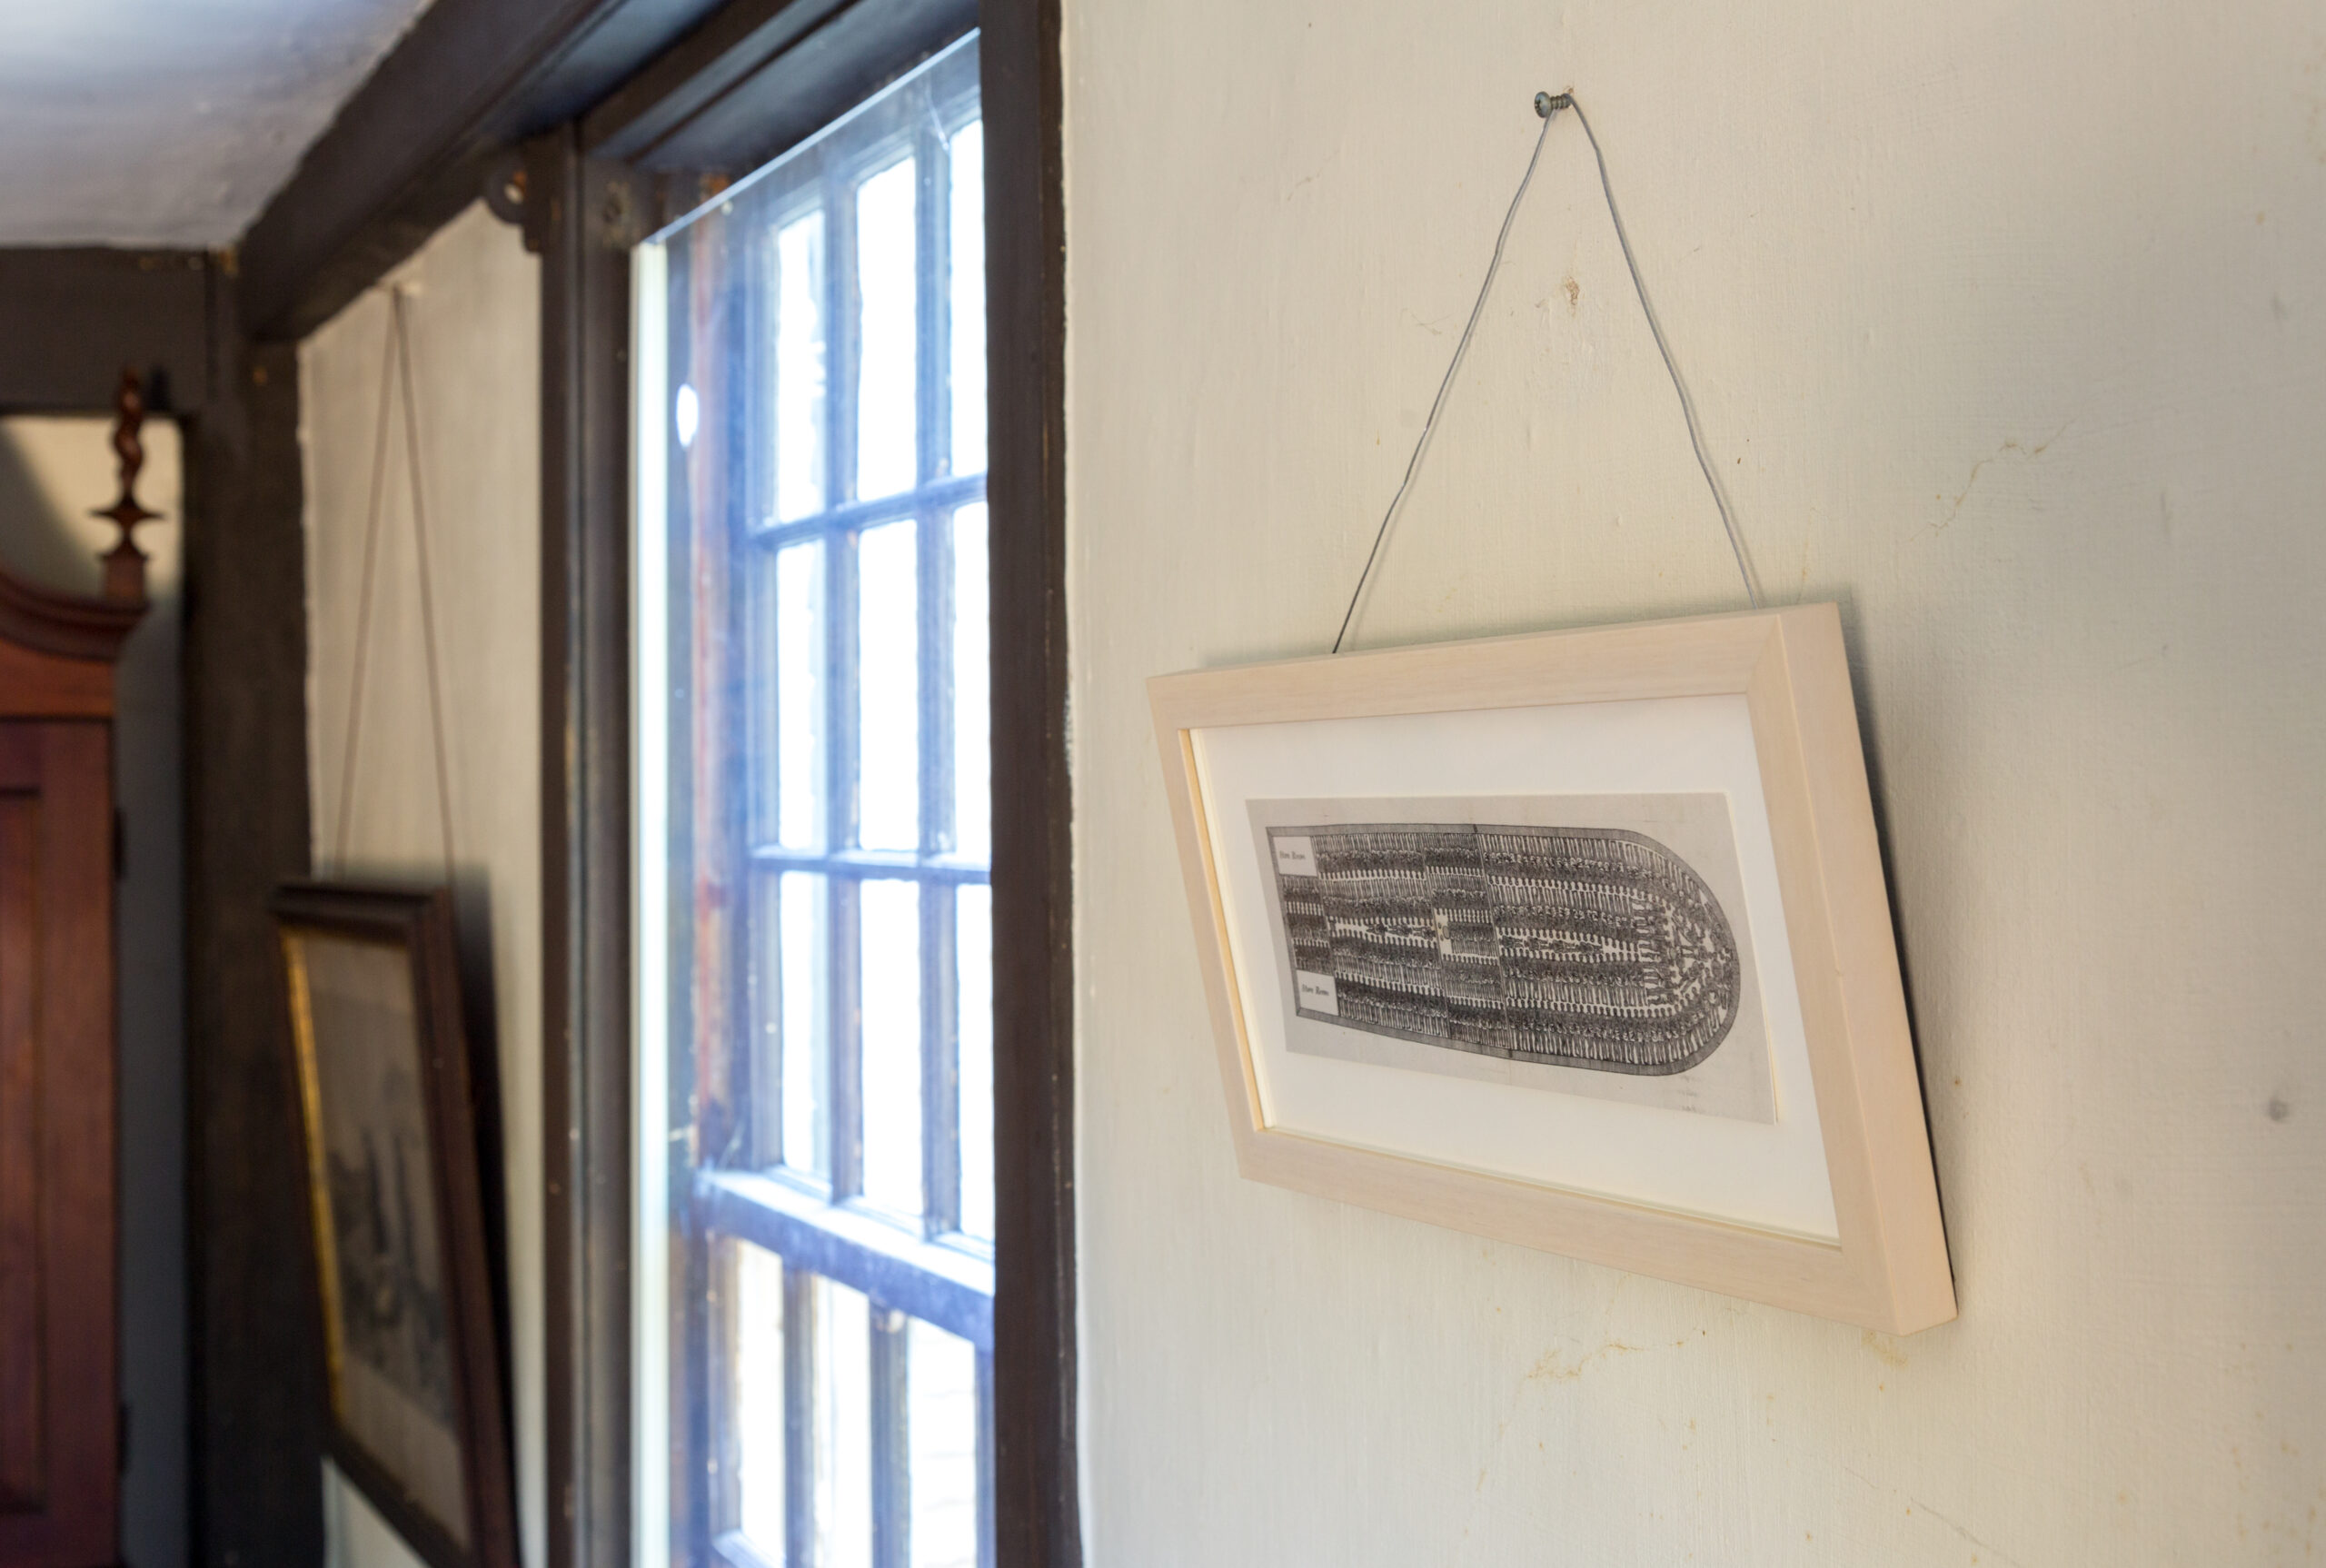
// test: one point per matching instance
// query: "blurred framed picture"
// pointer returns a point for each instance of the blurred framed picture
(417, 1420)
(1579, 940)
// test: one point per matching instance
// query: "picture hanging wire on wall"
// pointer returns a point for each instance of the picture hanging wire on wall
(1547, 105)
(396, 377)
(1420, 880)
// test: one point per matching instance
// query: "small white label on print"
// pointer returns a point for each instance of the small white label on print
(1317, 994)
(1296, 857)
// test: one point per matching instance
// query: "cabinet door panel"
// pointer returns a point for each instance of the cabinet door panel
(22, 1413)
(58, 1404)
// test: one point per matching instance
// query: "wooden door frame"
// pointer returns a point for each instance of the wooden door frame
(73, 317)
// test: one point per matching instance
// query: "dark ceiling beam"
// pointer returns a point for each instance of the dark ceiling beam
(665, 85)
(72, 318)
(413, 148)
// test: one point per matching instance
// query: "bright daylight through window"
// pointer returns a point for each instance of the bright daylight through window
(815, 916)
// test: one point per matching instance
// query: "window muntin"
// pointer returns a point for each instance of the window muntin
(830, 1011)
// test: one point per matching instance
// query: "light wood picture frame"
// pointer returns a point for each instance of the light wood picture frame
(1659, 1147)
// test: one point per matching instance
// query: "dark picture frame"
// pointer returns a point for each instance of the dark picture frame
(416, 1409)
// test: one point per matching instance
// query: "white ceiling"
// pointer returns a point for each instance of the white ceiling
(169, 122)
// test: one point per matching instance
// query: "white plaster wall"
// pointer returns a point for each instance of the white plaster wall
(473, 310)
(55, 469)
(2008, 327)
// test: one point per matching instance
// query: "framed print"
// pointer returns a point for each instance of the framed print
(1578, 941)
(417, 1414)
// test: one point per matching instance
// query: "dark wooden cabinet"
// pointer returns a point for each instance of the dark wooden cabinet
(59, 1406)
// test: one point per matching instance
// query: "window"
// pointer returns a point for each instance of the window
(816, 915)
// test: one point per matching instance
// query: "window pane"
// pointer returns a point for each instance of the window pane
(973, 921)
(764, 980)
(799, 696)
(759, 1396)
(941, 1427)
(889, 683)
(799, 403)
(887, 424)
(805, 916)
(844, 1419)
(965, 225)
(892, 1045)
(972, 720)
(826, 765)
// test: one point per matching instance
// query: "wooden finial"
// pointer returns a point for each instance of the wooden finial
(125, 562)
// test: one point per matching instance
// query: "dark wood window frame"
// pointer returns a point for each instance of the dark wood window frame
(754, 79)
(622, 109)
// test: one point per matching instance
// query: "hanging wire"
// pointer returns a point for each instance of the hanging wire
(1413, 464)
(363, 604)
(427, 595)
(1547, 105)
(395, 376)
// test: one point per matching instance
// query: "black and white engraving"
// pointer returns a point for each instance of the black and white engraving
(1584, 947)
(384, 1247)
(390, 1267)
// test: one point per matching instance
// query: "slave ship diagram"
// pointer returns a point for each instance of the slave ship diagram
(1594, 949)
